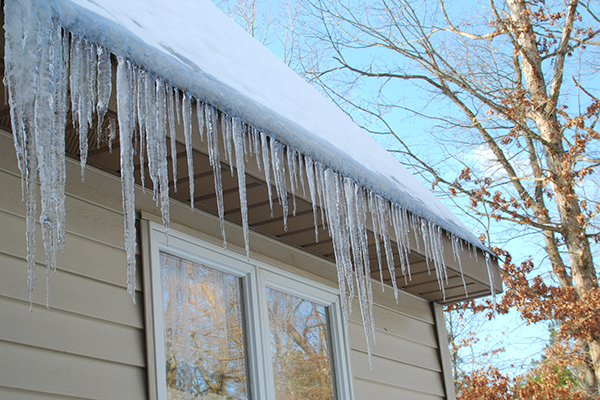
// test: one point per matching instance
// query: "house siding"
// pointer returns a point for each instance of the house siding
(90, 343)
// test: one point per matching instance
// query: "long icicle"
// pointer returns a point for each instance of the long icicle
(267, 165)
(142, 112)
(238, 145)
(172, 133)
(212, 139)
(127, 182)
(104, 88)
(187, 133)
(161, 143)
(310, 177)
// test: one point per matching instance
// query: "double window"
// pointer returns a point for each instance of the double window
(228, 328)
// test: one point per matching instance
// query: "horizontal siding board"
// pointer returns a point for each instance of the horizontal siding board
(407, 304)
(81, 215)
(399, 324)
(52, 372)
(102, 262)
(395, 348)
(18, 394)
(72, 293)
(366, 390)
(68, 333)
(392, 373)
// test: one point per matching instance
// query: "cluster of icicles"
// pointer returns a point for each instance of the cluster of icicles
(48, 70)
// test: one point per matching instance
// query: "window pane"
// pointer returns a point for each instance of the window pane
(299, 347)
(203, 332)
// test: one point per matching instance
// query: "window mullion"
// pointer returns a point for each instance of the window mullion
(259, 352)
(339, 352)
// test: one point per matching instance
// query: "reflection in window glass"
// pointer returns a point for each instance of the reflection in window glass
(299, 347)
(203, 332)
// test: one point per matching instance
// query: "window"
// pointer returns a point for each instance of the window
(228, 328)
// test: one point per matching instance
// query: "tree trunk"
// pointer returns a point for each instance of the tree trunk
(543, 113)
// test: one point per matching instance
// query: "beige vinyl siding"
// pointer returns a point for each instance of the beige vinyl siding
(90, 344)
(406, 360)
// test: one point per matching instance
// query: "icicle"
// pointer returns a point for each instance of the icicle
(433, 244)
(353, 221)
(137, 133)
(143, 107)
(337, 204)
(279, 177)
(173, 133)
(200, 118)
(490, 270)
(152, 134)
(382, 211)
(238, 144)
(227, 139)
(247, 144)
(439, 245)
(415, 227)
(425, 237)
(267, 164)
(104, 88)
(92, 79)
(292, 169)
(407, 221)
(212, 141)
(31, 202)
(400, 233)
(49, 132)
(80, 96)
(301, 170)
(178, 110)
(35, 61)
(16, 59)
(343, 264)
(163, 170)
(376, 235)
(310, 176)
(187, 133)
(112, 133)
(456, 250)
(320, 180)
(255, 134)
(60, 115)
(356, 222)
(124, 104)
(251, 141)
(361, 206)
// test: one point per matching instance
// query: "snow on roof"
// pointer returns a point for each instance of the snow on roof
(199, 49)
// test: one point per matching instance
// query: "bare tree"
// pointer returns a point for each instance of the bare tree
(512, 82)
(271, 23)
(254, 18)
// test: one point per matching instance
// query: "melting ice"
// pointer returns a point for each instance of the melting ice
(149, 108)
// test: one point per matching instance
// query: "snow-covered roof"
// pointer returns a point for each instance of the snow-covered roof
(199, 49)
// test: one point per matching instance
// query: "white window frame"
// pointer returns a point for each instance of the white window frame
(255, 276)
